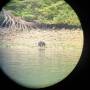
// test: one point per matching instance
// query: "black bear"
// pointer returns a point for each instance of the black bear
(41, 44)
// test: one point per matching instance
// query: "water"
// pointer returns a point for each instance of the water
(33, 66)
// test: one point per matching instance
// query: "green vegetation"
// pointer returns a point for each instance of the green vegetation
(44, 11)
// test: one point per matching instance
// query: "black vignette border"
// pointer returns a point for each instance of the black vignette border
(3, 3)
(80, 76)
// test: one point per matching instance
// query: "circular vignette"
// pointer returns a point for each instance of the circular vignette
(75, 78)
(81, 63)
(3, 3)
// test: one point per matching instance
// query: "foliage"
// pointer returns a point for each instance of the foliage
(45, 11)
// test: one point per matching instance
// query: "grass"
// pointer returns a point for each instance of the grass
(55, 12)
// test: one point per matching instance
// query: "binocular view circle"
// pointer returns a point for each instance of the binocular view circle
(41, 42)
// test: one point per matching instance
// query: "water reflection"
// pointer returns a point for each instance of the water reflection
(28, 62)
(41, 54)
